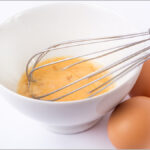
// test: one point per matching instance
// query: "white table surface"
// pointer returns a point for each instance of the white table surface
(19, 131)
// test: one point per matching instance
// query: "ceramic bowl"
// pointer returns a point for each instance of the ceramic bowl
(33, 30)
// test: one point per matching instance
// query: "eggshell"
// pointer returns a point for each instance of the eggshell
(129, 124)
(142, 86)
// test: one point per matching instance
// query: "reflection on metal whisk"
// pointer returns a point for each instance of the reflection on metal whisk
(124, 69)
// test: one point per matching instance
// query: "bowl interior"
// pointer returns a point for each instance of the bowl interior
(36, 29)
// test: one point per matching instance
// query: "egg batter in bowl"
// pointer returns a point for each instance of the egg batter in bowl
(53, 77)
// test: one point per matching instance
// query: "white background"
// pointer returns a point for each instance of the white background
(19, 131)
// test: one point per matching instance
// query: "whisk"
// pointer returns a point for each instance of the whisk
(121, 71)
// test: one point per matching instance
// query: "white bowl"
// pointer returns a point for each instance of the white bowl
(25, 34)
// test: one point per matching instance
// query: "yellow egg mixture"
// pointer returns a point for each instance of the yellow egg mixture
(50, 78)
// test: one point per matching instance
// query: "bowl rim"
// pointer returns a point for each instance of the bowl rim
(29, 10)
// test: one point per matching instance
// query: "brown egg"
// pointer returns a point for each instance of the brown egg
(129, 124)
(142, 86)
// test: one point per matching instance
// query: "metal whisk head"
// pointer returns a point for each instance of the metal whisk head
(120, 67)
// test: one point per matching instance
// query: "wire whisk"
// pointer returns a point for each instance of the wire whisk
(127, 63)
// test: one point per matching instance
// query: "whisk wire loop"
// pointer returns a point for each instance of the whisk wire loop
(125, 68)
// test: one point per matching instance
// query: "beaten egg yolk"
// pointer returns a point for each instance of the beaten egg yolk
(53, 77)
